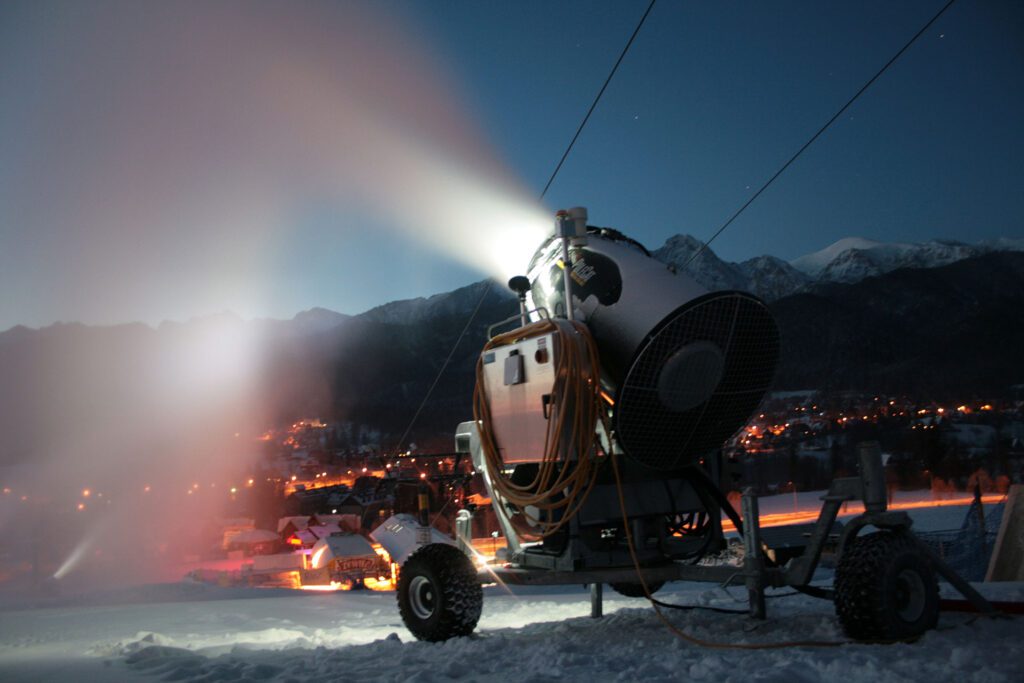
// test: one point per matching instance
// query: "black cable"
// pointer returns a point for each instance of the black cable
(700, 481)
(820, 131)
(707, 608)
(597, 99)
(444, 366)
(701, 477)
(568, 149)
(616, 236)
(816, 592)
(709, 534)
(724, 610)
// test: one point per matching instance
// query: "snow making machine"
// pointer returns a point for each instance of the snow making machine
(599, 419)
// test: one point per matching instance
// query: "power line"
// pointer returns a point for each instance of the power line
(820, 131)
(444, 366)
(597, 99)
(489, 283)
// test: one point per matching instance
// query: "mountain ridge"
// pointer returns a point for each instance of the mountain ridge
(847, 260)
(953, 330)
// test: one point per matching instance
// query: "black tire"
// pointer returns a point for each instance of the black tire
(439, 595)
(885, 588)
(635, 590)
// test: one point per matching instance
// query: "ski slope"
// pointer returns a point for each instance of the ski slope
(188, 631)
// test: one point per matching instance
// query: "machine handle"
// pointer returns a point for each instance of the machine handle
(543, 312)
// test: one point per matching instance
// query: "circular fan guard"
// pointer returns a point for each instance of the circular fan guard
(696, 379)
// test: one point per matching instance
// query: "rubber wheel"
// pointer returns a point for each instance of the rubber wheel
(885, 588)
(636, 590)
(439, 595)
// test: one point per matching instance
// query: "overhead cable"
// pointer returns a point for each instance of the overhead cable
(821, 130)
(597, 99)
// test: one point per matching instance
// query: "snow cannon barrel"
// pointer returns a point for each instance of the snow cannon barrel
(685, 367)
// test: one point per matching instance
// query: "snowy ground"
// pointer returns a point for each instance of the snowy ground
(197, 632)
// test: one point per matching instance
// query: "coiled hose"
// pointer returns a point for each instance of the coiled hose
(567, 468)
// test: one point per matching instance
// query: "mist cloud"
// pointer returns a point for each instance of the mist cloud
(162, 156)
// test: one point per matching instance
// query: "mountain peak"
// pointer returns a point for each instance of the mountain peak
(682, 241)
(848, 260)
(814, 263)
(319, 319)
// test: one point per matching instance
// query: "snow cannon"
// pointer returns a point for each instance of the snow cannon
(601, 421)
(683, 367)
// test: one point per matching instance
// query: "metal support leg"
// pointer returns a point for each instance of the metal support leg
(464, 531)
(945, 571)
(596, 600)
(753, 563)
(872, 474)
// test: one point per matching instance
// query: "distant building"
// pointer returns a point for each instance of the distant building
(346, 558)
(254, 542)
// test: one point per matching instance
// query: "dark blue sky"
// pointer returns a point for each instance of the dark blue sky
(714, 97)
(168, 160)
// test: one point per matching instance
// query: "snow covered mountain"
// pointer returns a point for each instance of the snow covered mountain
(766, 276)
(849, 260)
(772, 278)
(854, 258)
(707, 269)
(317, 320)
(457, 302)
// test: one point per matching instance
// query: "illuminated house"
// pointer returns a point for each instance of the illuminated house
(307, 501)
(286, 526)
(346, 522)
(255, 542)
(307, 538)
(344, 558)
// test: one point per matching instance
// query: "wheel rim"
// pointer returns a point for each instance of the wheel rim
(910, 595)
(422, 597)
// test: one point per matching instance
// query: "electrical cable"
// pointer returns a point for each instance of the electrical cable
(704, 608)
(567, 469)
(701, 521)
(672, 627)
(558, 167)
(821, 130)
(597, 99)
(444, 366)
(701, 482)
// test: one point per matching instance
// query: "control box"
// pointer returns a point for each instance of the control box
(519, 379)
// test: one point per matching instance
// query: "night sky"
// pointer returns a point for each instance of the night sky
(162, 161)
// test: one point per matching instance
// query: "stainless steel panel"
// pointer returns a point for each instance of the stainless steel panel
(517, 410)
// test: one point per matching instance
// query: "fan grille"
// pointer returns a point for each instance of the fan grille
(696, 379)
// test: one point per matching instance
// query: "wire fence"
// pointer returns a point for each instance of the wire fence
(968, 549)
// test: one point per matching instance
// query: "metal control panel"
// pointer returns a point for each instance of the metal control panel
(519, 380)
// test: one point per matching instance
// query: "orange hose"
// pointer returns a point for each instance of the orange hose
(567, 468)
